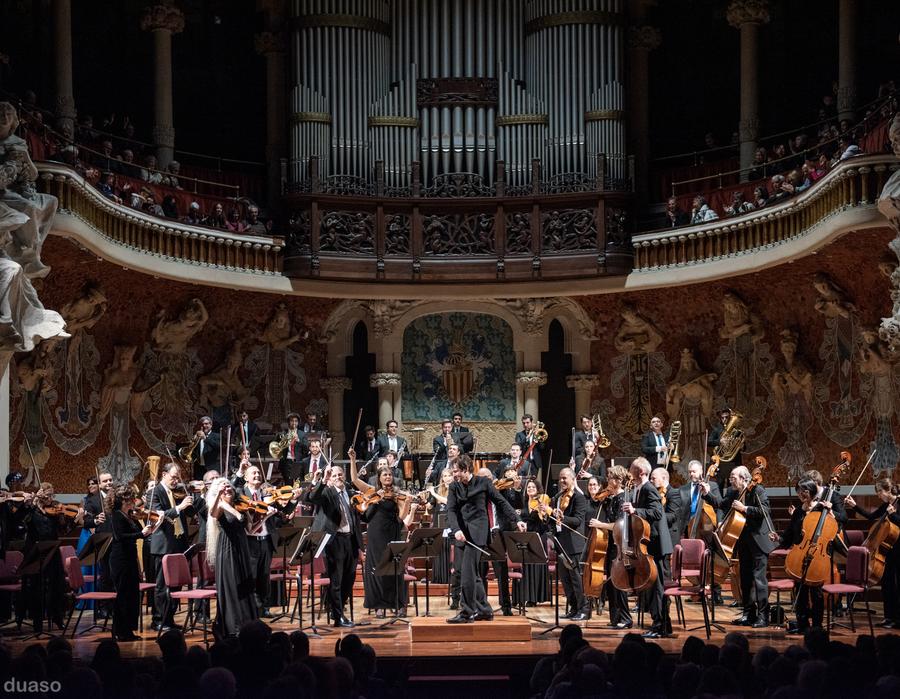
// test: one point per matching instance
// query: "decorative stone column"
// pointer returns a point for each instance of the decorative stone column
(582, 384)
(746, 16)
(846, 96)
(388, 385)
(163, 21)
(528, 383)
(889, 206)
(334, 387)
(642, 39)
(62, 46)
(272, 45)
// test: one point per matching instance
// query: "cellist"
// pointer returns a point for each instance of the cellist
(691, 497)
(609, 511)
(890, 580)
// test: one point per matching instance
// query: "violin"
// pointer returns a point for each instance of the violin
(600, 496)
(145, 517)
(809, 561)
(56, 508)
(564, 500)
(504, 483)
(534, 504)
(15, 496)
(244, 504)
(281, 495)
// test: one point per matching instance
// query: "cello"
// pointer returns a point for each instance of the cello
(809, 562)
(704, 520)
(593, 573)
(633, 569)
(882, 537)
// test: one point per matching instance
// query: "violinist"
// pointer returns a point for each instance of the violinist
(525, 438)
(335, 516)
(169, 537)
(595, 494)
(644, 501)
(890, 580)
(753, 547)
(262, 532)
(671, 500)
(201, 509)
(123, 561)
(535, 581)
(90, 515)
(567, 530)
(467, 508)
(499, 522)
(437, 499)
(609, 510)
(589, 463)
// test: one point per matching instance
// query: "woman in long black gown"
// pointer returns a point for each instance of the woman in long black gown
(438, 500)
(122, 560)
(535, 583)
(384, 525)
(228, 553)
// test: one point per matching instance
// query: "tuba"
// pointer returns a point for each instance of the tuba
(674, 442)
(276, 448)
(732, 439)
(602, 440)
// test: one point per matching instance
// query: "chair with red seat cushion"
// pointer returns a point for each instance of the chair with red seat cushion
(854, 537)
(76, 582)
(177, 574)
(856, 581)
(703, 588)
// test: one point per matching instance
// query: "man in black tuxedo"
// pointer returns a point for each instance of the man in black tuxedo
(714, 441)
(391, 441)
(314, 462)
(467, 514)
(292, 456)
(499, 523)
(671, 500)
(462, 435)
(434, 476)
(753, 547)
(525, 437)
(655, 444)
(440, 443)
(335, 516)
(690, 498)
(644, 501)
(170, 537)
(587, 433)
(367, 447)
(524, 469)
(573, 517)
(206, 453)
(243, 433)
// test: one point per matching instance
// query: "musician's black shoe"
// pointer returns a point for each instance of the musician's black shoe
(460, 618)
(581, 616)
(795, 629)
(486, 616)
(743, 620)
(507, 611)
(454, 604)
(888, 624)
(734, 603)
(344, 622)
(622, 625)
(653, 632)
(717, 598)
(266, 614)
(762, 622)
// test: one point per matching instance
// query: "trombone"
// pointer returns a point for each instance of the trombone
(602, 440)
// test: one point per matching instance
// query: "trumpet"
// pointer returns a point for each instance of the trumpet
(602, 440)
(276, 448)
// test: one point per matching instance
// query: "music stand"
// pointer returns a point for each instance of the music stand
(94, 550)
(392, 562)
(420, 543)
(562, 558)
(309, 548)
(286, 535)
(525, 548)
(35, 564)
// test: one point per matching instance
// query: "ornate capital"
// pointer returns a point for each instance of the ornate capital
(748, 130)
(531, 378)
(65, 106)
(846, 98)
(269, 42)
(164, 135)
(644, 38)
(164, 18)
(384, 379)
(742, 12)
(335, 384)
(582, 382)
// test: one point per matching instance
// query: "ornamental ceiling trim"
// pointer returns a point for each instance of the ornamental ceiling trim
(368, 24)
(561, 19)
(517, 119)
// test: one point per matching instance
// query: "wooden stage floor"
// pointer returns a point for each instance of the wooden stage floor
(395, 640)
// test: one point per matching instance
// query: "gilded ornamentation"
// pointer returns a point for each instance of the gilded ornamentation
(516, 119)
(385, 120)
(747, 12)
(162, 18)
(604, 115)
(384, 379)
(531, 378)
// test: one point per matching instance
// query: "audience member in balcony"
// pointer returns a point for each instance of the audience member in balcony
(701, 213)
(801, 179)
(107, 160)
(760, 196)
(781, 189)
(848, 148)
(127, 166)
(85, 131)
(760, 158)
(777, 163)
(149, 173)
(194, 216)
(171, 176)
(170, 206)
(738, 205)
(674, 215)
(254, 225)
(799, 145)
(217, 218)
(820, 169)
(107, 188)
(234, 222)
(150, 206)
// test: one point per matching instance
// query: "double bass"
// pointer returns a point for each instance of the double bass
(882, 537)
(633, 569)
(809, 561)
(593, 573)
(704, 520)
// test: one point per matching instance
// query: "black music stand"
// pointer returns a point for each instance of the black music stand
(421, 542)
(287, 534)
(562, 558)
(95, 549)
(308, 549)
(35, 564)
(525, 548)
(392, 564)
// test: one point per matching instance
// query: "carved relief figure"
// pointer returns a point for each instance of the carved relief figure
(792, 389)
(173, 335)
(636, 334)
(874, 367)
(689, 398)
(116, 402)
(17, 177)
(832, 301)
(221, 390)
(36, 377)
(738, 319)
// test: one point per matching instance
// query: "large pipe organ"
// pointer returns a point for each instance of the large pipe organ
(457, 85)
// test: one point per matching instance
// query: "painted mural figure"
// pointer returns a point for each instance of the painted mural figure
(739, 320)
(874, 366)
(36, 377)
(116, 401)
(636, 334)
(221, 390)
(173, 336)
(792, 390)
(689, 398)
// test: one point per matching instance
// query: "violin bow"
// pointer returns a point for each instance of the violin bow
(356, 431)
(37, 471)
(865, 466)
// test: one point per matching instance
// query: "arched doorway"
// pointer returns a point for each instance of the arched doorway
(555, 400)
(358, 367)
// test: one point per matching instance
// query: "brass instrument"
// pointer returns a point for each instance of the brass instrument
(186, 454)
(672, 456)
(276, 448)
(539, 432)
(602, 440)
(732, 439)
